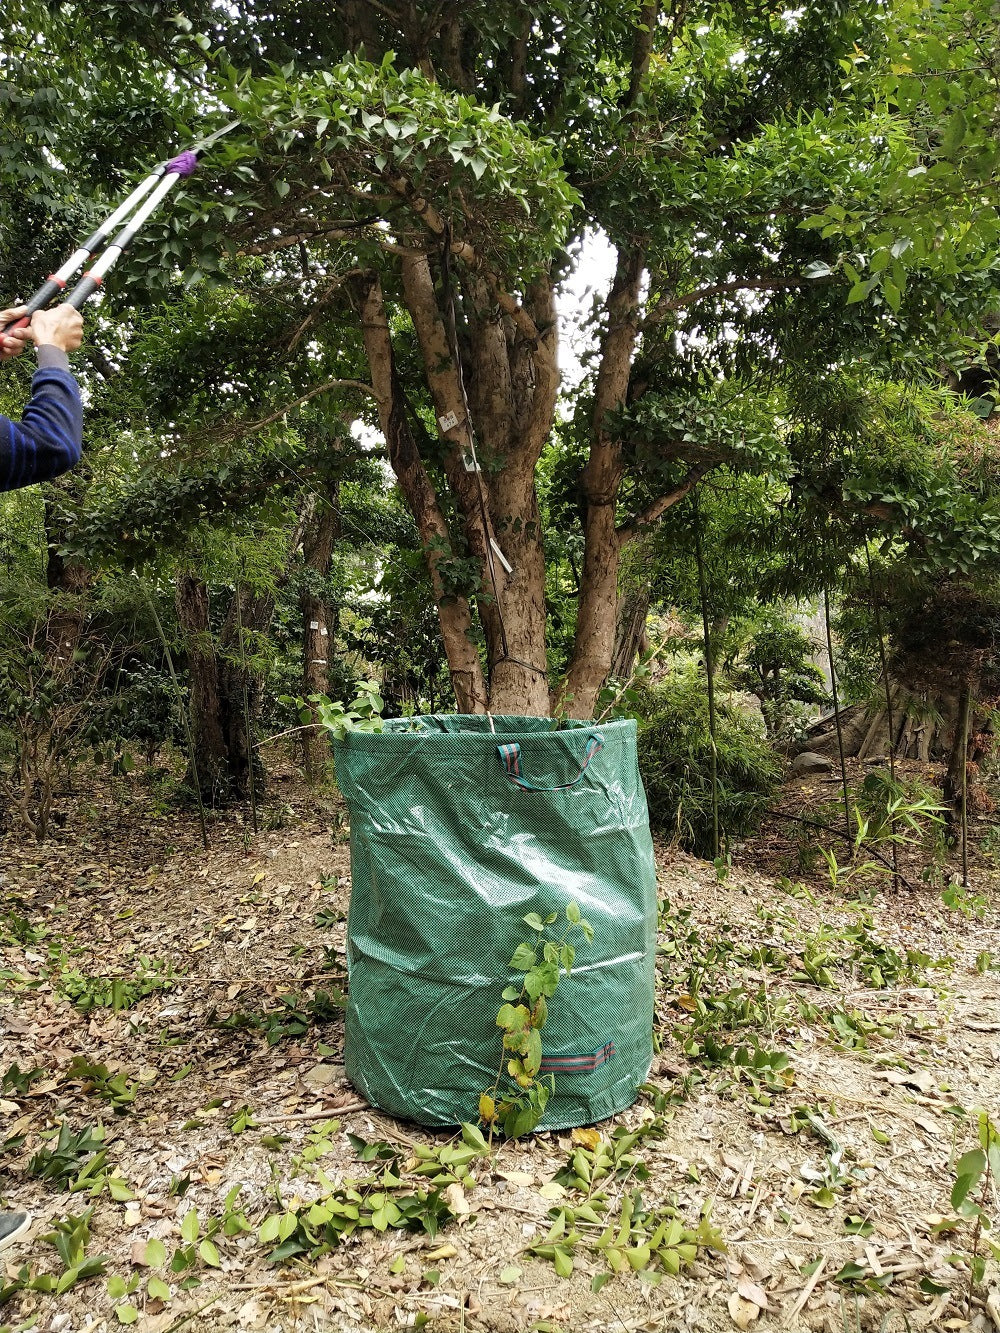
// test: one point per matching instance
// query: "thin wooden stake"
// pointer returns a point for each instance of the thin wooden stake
(836, 715)
(966, 707)
(251, 756)
(890, 726)
(710, 674)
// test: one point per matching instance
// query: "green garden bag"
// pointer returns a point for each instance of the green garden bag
(457, 833)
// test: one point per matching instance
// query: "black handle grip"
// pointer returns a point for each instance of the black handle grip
(83, 291)
(49, 288)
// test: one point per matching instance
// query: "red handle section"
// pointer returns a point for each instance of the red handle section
(21, 323)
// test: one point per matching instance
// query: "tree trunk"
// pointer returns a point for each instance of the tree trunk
(249, 614)
(454, 613)
(211, 757)
(317, 621)
(68, 578)
(597, 613)
(520, 391)
(631, 635)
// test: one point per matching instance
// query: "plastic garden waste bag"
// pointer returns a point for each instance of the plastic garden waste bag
(456, 834)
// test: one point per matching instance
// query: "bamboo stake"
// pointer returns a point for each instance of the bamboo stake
(710, 674)
(251, 757)
(836, 715)
(883, 659)
(966, 706)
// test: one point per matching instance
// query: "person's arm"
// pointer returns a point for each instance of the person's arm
(48, 439)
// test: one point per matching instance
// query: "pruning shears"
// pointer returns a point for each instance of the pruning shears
(145, 199)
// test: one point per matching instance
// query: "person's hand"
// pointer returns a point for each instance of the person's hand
(13, 343)
(59, 327)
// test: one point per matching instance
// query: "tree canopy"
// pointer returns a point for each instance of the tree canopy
(802, 207)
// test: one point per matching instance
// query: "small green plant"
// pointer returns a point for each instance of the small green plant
(295, 1016)
(385, 1200)
(516, 1102)
(958, 898)
(114, 1088)
(70, 1237)
(616, 1227)
(900, 818)
(831, 1178)
(17, 929)
(242, 1121)
(18, 1080)
(116, 993)
(363, 713)
(976, 1173)
(61, 1163)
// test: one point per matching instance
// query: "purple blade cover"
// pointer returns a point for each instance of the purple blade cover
(183, 164)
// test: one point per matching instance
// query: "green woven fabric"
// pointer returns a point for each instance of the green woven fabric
(448, 853)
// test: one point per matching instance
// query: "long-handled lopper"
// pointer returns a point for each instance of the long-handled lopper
(156, 186)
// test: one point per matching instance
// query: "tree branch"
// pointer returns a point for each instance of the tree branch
(666, 305)
(339, 231)
(239, 428)
(467, 253)
(627, 531)
(642, 49)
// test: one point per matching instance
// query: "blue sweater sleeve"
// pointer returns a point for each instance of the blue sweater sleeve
(48, 439)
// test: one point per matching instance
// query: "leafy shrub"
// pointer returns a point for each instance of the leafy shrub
(675, 760)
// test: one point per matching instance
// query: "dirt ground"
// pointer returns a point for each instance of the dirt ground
(829, 1177)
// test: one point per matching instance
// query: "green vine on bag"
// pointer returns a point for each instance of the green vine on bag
(516, 1102)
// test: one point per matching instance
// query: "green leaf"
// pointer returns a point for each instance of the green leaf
(573, 913)
(126, 1314)
(851, 1271)
(156, 1253)
(954, 135)
(209, 1254)
(563, 1260)
(474, 1138)
(157, 1289)
(524, 957)
(189, 1226)
(117, 1287)
(967, 1172)
(534, 921)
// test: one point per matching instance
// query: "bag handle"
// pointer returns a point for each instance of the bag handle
(510, 762)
